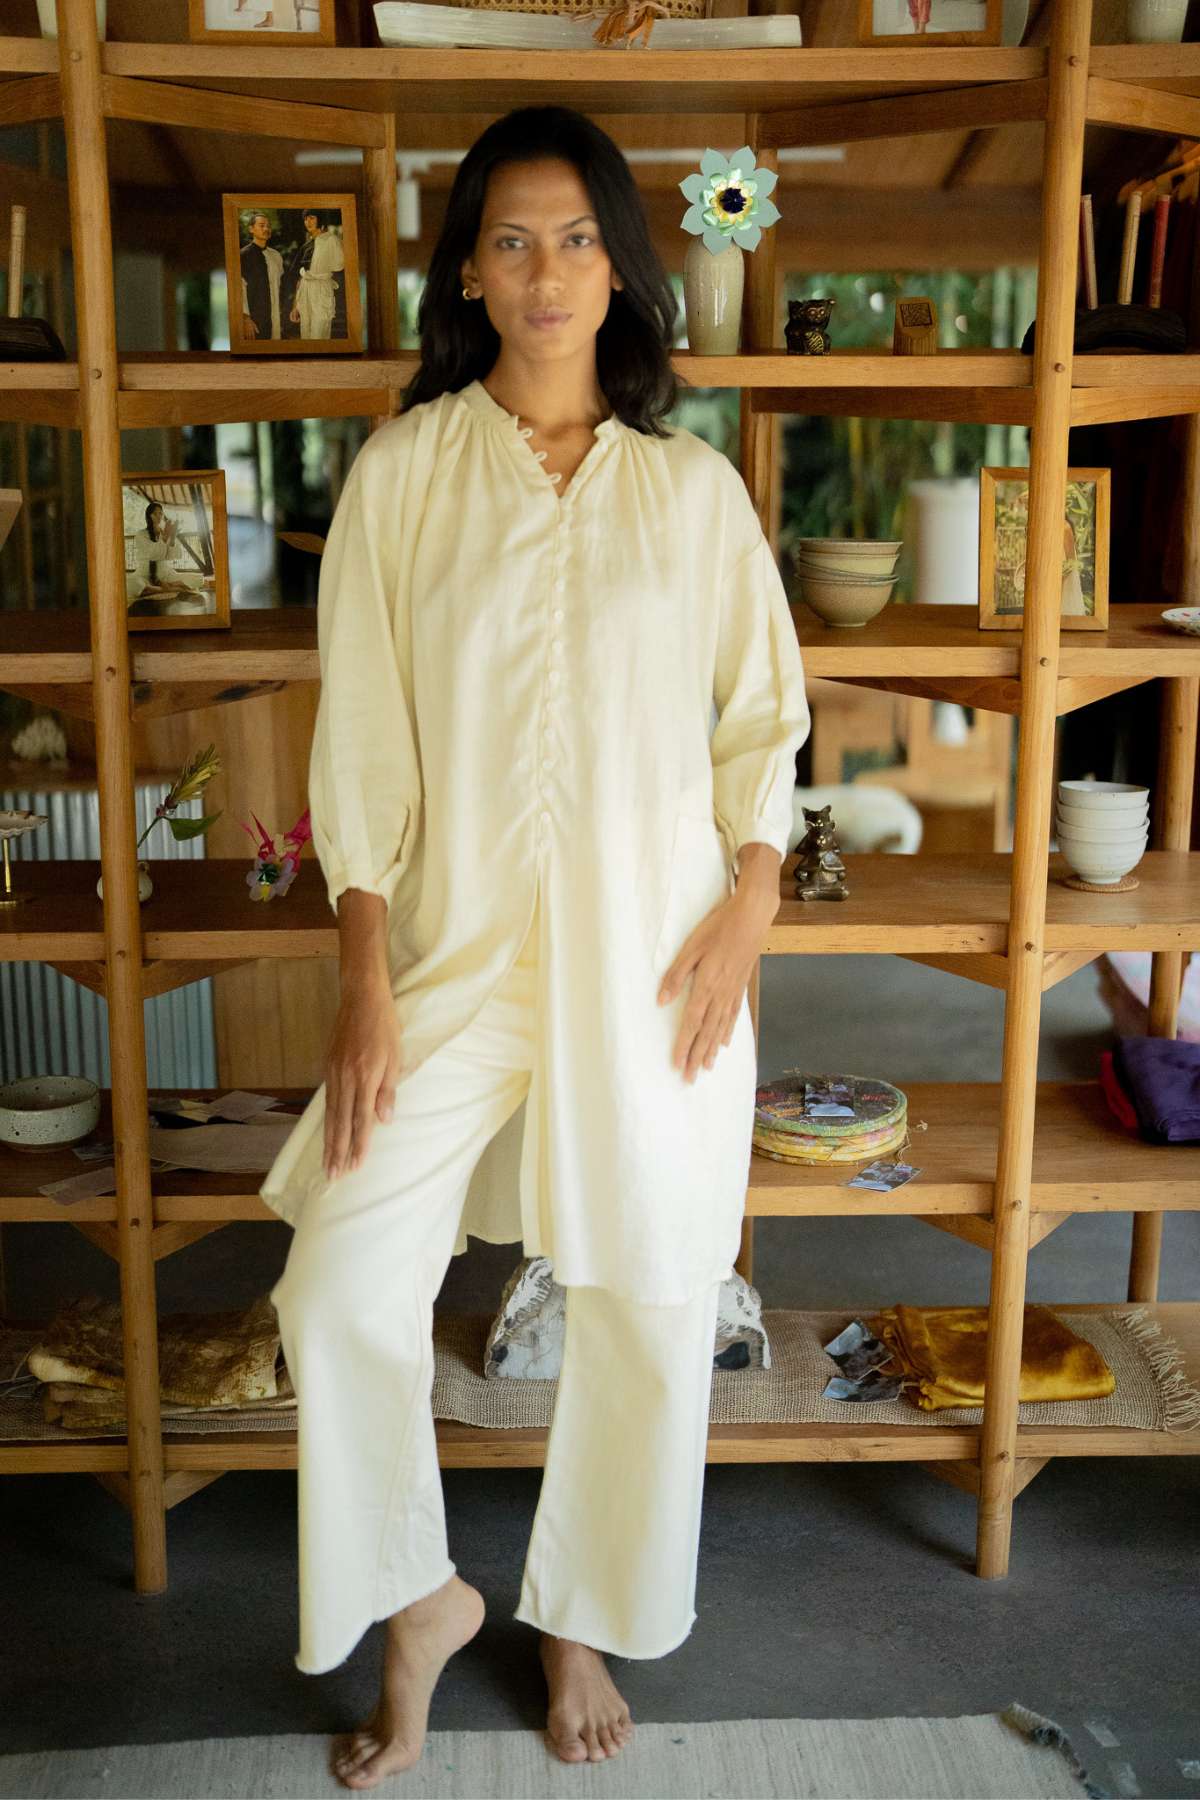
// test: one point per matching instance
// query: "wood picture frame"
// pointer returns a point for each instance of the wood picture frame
(894, 22)
(1001, 548)
(197, 552)
(281, 282)
(202, 29)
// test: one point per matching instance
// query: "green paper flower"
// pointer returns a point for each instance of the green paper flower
(729, 200)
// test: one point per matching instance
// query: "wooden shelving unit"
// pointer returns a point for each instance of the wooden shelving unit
(988, 1176)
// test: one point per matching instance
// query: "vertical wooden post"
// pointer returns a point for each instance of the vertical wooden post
(91, 238)
(1061, 183)
(379, 190)
(757, 447)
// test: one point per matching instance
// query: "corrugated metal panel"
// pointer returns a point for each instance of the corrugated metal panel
(49, 1025)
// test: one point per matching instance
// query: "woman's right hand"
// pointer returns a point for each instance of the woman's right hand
(362, 1069)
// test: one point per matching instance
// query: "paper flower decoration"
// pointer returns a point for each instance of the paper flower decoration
(193, 779)
(273, 873)
(729, 200)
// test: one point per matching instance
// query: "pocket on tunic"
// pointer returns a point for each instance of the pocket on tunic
(698, 880)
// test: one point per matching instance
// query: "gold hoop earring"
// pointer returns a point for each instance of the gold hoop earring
(466, 293)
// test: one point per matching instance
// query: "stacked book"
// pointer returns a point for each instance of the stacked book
(806, 1118)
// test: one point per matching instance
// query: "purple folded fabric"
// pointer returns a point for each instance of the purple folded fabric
(1162, 1078)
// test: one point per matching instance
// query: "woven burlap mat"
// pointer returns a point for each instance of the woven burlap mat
(1152, 1392)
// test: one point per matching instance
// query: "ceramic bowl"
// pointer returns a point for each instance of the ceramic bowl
(1184, 618)
(1090, 822)
(48, 1109)
(846, 602)
(1106, 849)
(1106, 796)
(849, 557)
(1100, 863)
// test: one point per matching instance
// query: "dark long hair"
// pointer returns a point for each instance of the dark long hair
(459, 343)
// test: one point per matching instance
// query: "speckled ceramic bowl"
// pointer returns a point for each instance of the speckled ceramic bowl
(1184, 618)
(1106, 796)
(48, 1109)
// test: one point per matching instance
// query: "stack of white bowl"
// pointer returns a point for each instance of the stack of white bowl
(846, 581)
(1102, 828)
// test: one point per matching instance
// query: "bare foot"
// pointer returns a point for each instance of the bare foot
(421, 1639)
(587, 1720)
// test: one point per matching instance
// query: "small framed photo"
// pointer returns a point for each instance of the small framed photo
(930, 21)
(261, 21)
(176, 549)
(291, 265)
(1003, 524)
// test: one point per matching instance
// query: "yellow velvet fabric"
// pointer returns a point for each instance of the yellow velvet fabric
(943, 1351)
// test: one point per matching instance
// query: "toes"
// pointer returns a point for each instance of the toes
(595, 1753)
(608, 1742)
(568, 1749)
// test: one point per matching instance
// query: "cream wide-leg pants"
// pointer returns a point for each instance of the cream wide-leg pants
(613, 1551)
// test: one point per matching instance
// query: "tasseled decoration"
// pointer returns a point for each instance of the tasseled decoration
(622, 23)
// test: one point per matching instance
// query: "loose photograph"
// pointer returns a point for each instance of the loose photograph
(291, 262)
(1003, 533)
(268, 21)
(176, 549)
(930, 21)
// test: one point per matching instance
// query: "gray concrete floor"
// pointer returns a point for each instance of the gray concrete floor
(835, 1591)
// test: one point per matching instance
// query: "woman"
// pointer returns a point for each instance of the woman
(155, 550)
(533, 597)
(316, 290)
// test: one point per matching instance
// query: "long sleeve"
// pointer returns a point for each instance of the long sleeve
(758, 688)
(364, 780)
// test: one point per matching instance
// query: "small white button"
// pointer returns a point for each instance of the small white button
(545, 818)
(557, 613)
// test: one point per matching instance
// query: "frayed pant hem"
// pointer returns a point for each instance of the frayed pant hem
(326, 1666)
(523, 1616)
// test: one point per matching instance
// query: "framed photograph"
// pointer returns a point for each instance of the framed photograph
(261, 21)
(176, 549)
(291, 265)
(1003, 523)
(930, 21)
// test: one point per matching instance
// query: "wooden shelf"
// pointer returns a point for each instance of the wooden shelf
(951, 906)
(946, 641)
(958, 906)
(623, 81)
(471, 1447)
(1083, 1162)
(986, 386)
(940, 647)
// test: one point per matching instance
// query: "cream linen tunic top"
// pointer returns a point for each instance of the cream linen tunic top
(520, 689)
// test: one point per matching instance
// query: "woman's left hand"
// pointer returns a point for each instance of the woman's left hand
(720, 955)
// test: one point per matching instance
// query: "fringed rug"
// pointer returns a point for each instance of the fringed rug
(1153, 1392)
(988, 1757)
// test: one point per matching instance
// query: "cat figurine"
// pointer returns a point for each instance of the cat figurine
(820, 872)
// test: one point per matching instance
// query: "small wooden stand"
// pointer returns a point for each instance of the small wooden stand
(915, 332)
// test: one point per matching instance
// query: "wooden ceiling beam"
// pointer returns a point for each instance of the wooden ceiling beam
(908, 115)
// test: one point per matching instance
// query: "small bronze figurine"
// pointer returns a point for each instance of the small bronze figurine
(820, 872)
(805, 331)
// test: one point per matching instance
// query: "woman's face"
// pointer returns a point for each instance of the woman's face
(539, 251)
(156, 517)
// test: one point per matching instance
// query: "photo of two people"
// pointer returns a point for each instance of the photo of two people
(292, 266)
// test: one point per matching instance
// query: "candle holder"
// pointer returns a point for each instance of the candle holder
(14, 824)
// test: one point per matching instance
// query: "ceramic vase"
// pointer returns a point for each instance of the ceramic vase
(48, 17)
(712, 298)
(1156, 21)
(145, 885)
